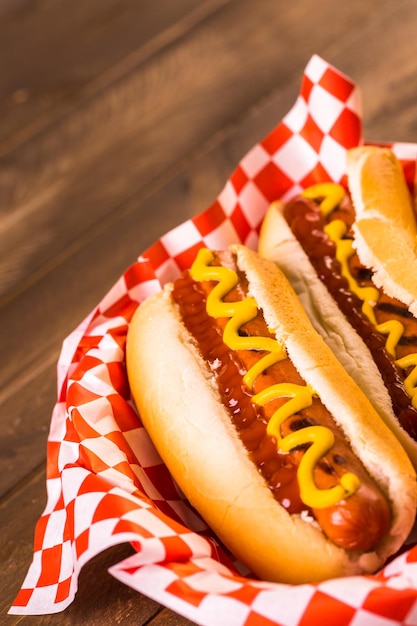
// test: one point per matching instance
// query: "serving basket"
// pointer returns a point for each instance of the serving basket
(106, 483)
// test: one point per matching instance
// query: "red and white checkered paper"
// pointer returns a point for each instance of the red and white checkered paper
(105, 481)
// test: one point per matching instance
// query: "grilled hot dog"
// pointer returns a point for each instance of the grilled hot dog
(315, 239)
(264, 431)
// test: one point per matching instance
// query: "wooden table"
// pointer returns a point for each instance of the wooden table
(119, 120)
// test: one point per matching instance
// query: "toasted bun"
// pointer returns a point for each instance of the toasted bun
(385, 228)
(278, 243)
(181, 409)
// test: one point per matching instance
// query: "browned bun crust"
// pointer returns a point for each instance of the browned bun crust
(181, 409)
(385, 227)
(278, 243)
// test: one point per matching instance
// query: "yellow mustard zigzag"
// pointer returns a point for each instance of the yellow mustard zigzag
(330, 193)
(321, 438)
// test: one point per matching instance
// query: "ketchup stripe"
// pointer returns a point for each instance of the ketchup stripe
(301, 214)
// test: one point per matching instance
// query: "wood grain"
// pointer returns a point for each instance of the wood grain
(119, 120)
(60, 56)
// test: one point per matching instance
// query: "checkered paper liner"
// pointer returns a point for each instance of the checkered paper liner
(106, 483)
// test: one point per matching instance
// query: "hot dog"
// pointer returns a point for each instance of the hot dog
(262, 428)
(343, 264)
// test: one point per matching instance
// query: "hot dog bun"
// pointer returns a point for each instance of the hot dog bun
(278, 243)
(182, 411)
(385, 228)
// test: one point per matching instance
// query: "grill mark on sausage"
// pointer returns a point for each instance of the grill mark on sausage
(389, 307)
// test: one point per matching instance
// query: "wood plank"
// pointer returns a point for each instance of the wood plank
(26, 416)
(74, 49)
(53, 299)
(168, 618)
(140, 127)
